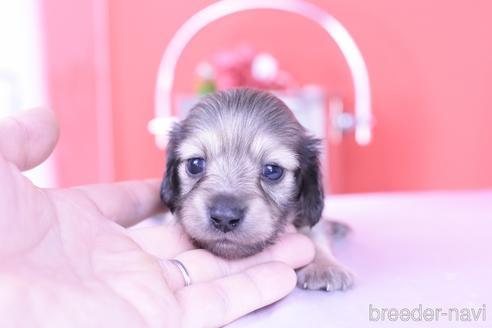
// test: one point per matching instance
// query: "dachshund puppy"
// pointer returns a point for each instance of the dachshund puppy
(240, 167)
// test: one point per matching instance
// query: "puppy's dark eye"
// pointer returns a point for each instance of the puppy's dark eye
(272, 172)
(195, 166)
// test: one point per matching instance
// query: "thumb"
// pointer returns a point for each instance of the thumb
(28, 138)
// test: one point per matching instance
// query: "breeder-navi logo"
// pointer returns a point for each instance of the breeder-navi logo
(427, 314)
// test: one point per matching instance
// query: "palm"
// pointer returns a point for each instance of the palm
(96, 254)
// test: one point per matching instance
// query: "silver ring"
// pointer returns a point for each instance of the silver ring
(182, 269)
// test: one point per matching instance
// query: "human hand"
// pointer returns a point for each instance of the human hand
(66, 259)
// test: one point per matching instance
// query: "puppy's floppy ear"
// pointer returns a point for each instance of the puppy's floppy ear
(310, 199)
(170, 188)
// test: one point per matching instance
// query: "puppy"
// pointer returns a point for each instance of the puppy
(240, 168)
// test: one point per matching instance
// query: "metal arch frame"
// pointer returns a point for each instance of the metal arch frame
(160, 125)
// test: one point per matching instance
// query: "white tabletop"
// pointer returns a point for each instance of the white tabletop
(409, 251)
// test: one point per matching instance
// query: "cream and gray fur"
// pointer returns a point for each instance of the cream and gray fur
(232, 135)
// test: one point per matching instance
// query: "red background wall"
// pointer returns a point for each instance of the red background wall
(430, 65)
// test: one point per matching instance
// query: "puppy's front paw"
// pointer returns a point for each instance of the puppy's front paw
(324, 276)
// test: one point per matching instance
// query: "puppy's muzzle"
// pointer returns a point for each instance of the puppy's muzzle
(226, 212)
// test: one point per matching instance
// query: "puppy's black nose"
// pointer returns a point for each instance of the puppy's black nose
(226, 214)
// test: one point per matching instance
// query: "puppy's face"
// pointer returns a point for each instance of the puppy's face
(238, 170)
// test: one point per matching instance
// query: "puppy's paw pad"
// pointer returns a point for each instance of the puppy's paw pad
(324, 276)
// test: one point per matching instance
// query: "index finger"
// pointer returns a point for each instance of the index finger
(126, 203)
